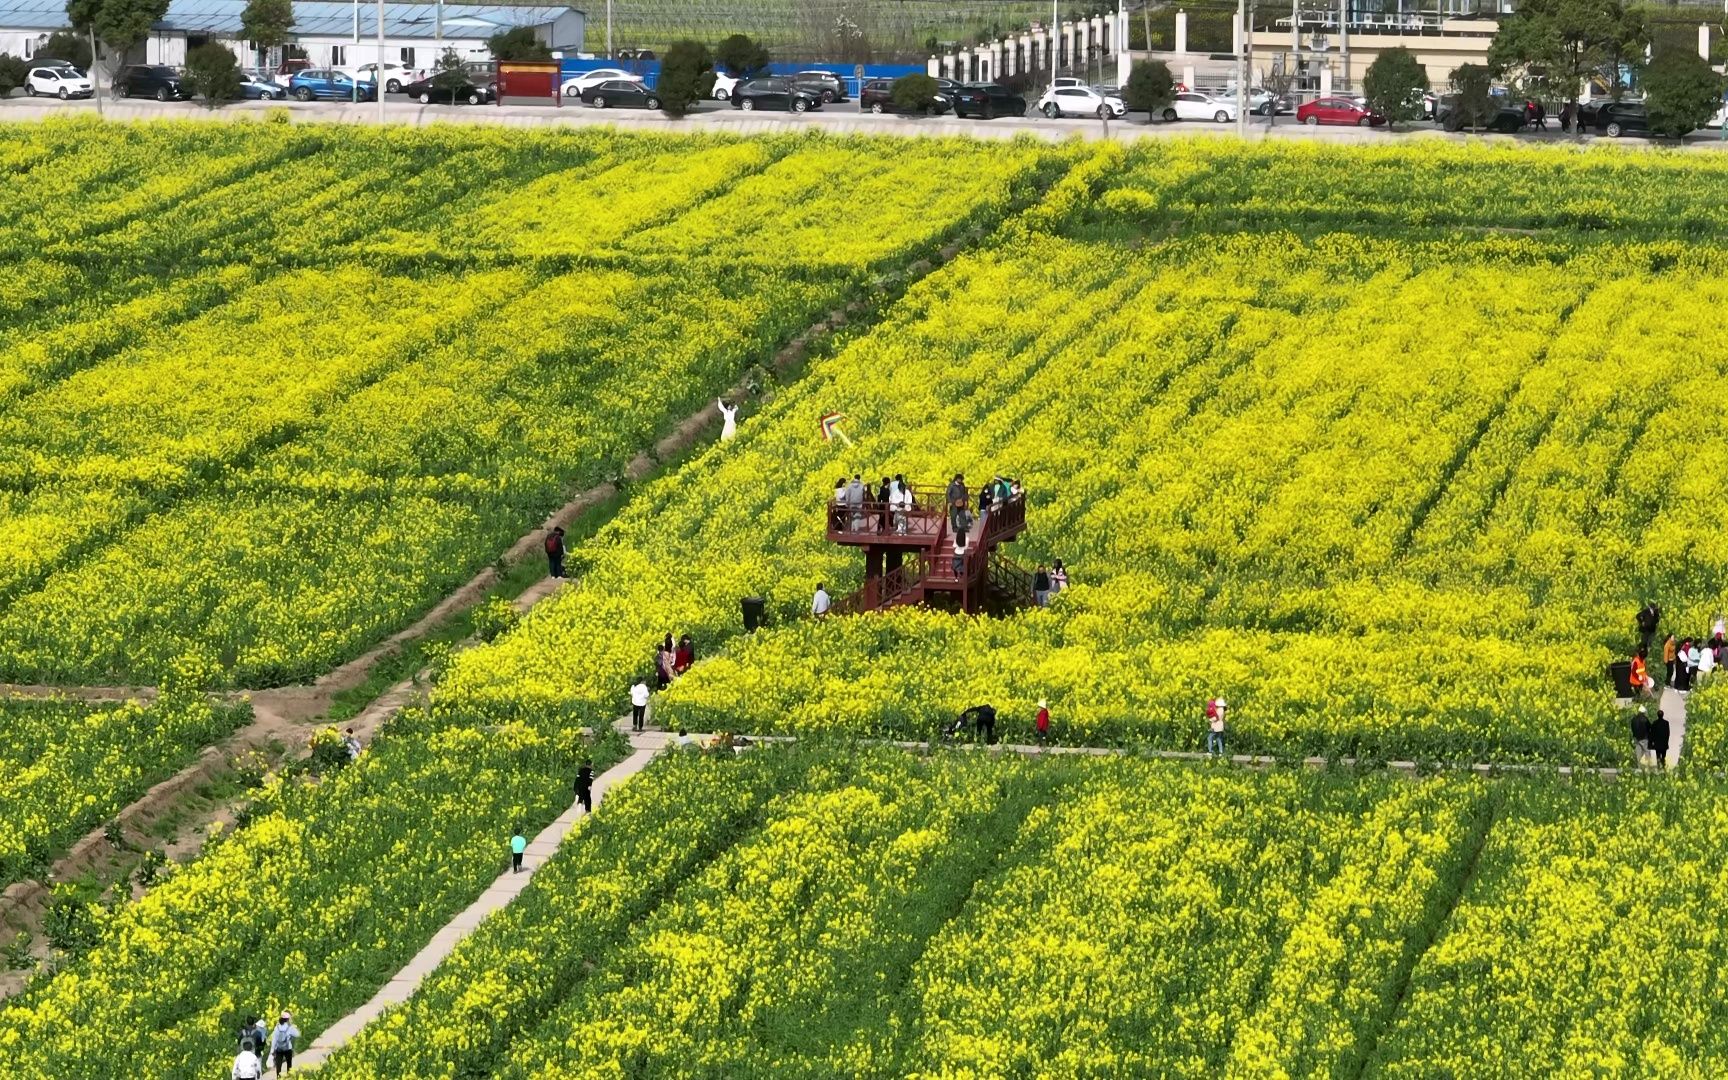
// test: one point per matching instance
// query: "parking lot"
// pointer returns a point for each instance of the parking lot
(839, 118)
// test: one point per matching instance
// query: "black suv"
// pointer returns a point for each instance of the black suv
(151, 80)
(827, 85)
(1618, 118)
(775, 92)
(987, 100)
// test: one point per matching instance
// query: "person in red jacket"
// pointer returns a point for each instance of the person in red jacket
(684, 656)
(1041, 723)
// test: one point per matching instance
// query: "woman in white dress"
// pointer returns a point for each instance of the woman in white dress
(730, 428)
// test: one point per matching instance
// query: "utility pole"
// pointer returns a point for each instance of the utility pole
(609, 30)
(1344, 39)
(378, 71)
(1242, 69)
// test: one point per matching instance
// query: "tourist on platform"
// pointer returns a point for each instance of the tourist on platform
(685, 656)
(960, 554)
(1649, 617)
(840, 491)
(958, 501)
(985, 497)
(856, 496)
(638, 704)
(1041, 722)
(1659, 739)
(820, 603)
(884, 499)
(282, 1044)
(1640, 736)
(518, 845)
(1215, 709)
(555, 552)
(246, 1064)
(1041, 586)
(1058, 577)
(728, 429)
(585, 779)
(900, 504)
(1670, 653)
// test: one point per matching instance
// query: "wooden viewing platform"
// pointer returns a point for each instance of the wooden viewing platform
(909, 554)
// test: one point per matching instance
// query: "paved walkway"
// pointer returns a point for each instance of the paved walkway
(508, 886)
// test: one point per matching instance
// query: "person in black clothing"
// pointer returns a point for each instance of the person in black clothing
(1649, 616)
(555, 551)
(1659, 739)
(585, 786)
(958, 501)
(1640, 735)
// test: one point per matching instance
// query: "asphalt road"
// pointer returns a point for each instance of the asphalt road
(840, 118)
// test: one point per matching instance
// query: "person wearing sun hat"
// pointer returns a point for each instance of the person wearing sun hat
(1041, 723)
(282, 1043)
(1215, 725)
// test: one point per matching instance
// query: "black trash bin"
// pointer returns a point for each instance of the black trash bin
(754, 607)
(1620, 673)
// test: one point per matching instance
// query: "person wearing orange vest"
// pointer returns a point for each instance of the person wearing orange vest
(1640, 674)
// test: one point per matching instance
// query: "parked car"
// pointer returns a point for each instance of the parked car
(830, 86)
(1065, 80)
(1507, 119)
(987, 101)
(395, 76)
(1063, 101)
(253, 88)
(427, 91)
(621, 94)
(329, 84)
(1617, 118)
(1263, 102)
(574, 86)
(483, 73)
(61, 82)
(877, 96)
(291, 64)
(1336, 110)
(151, 80)
(1197, 106)
(776, 92)
(724, 84)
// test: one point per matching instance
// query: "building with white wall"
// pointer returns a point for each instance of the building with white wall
(332, 34)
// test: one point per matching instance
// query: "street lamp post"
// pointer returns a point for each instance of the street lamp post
(378, 68)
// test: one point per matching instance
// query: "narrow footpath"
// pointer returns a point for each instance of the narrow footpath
(509, 885)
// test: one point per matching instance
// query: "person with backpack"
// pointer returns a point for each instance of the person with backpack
(585, 786)
(555, 552)
(282, 1043)
(1215, 708)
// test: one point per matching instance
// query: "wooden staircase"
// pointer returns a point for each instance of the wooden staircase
(911, 560)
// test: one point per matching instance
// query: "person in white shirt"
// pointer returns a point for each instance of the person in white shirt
(638, 704)
(685, 738)
(730, 428)
(1215, 725)
(819, 604)
(900, 504)
(1706, 660)
(246, 1064)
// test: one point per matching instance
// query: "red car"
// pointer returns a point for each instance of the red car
(1336, 110)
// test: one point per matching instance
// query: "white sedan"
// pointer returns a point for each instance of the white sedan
(724, 84)
(1193, 106)
(60, 82)
(1062, 101)
(590, 79)
(395, 76)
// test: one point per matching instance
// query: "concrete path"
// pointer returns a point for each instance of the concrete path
(508, 886)
(1674, 711)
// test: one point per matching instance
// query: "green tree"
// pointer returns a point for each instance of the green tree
(741, 56)
(913, 93)
(1681, 91)
(67, 46)
(267, 23)
(212, 73)
(450, 75)
(12, 73)
(682, 74)
(518, 44)
(1628, 41)
(121, 24)
(1394, 85)
(1151, 88)
(1474, 104)
(1565, 41)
